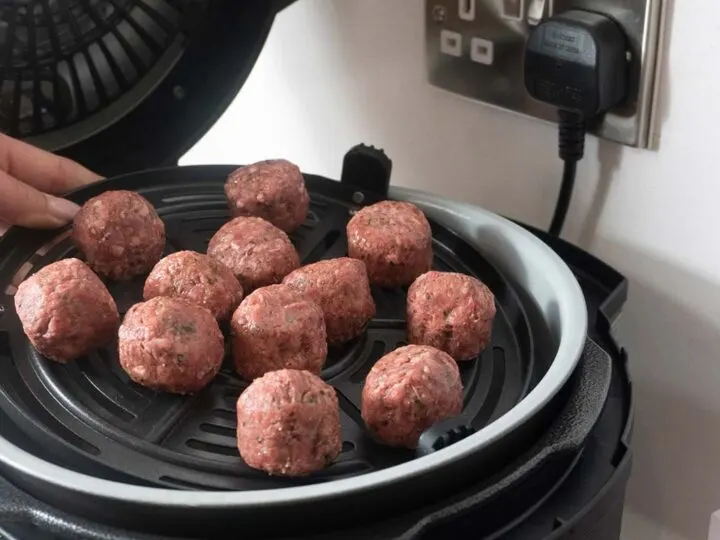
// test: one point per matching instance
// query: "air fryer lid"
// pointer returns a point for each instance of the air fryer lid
(77, 410)
(123, 85)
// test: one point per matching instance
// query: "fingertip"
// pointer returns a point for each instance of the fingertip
(61, 210)
(56, 213)
(86, 176)
(22, 205)
(72, 175)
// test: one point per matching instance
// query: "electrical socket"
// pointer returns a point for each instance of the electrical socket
(475, 48)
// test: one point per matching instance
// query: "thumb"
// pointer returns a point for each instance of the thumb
(23, 205)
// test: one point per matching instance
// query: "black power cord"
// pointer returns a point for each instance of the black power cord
(572, 148)
(577, 62)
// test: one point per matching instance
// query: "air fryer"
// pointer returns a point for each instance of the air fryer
(540, 451)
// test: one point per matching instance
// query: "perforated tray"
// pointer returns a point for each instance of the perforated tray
(89, 417)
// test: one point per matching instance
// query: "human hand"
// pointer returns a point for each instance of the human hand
(30, 182)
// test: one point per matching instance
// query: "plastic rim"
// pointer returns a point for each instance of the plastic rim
(534, 266)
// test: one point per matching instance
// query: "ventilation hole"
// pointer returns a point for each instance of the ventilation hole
(317, 203)
(195, 198)
(218, 430)
(231, 400)
(225, 415)
(136, 42)
(497, 387)
(196, 444)
(87, 84)
(149, 26)
(23, 95)
(48, 99)
(68, 102)
(109, 405)
(98, 57)
(232, 394)
(186, 484)
(165, 9)
(22, 273)
(378, 350)
(45, 419)
(344, 468)
(157, 17)
(93, 390)
(208, 231)
(45, 249)
(101, 366)
(347, 446)
(121, 57)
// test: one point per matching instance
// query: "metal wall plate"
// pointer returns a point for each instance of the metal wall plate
(475, 48)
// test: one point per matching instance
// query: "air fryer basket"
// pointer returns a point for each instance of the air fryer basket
(86, 439)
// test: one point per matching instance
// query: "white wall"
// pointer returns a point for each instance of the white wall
(335, 73)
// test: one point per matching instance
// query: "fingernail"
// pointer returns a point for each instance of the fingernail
(62, 209)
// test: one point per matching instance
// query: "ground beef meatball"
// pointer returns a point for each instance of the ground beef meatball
(197, 278)
(170, 345)
(394, 241)
(258, 253)
(66, 311)
(120, 234)
(273, 190)
(276, 327)
(453, 312)
(409, 390)
(340, 287)
(288, 423)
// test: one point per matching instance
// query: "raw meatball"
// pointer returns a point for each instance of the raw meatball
(340, 287)
(257, 252)
(409, 390)
(394, 241)
(120, 234)
(273, 190)
(288, 423)
(275, 328)
(453, 312)
(197, 278)
(170, 345)
(66, 311)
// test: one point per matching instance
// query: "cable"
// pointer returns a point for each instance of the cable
(571, 144)
(575, 61)
(563, 201)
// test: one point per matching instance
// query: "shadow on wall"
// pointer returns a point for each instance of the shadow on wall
(609, 160)
(610, 154)
(672, 345)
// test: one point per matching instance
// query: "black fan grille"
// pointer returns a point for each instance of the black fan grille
(64, 61)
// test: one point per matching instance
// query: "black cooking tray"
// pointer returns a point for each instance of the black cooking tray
(89, 417)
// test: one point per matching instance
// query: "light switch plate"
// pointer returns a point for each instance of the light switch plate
(489, 68)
